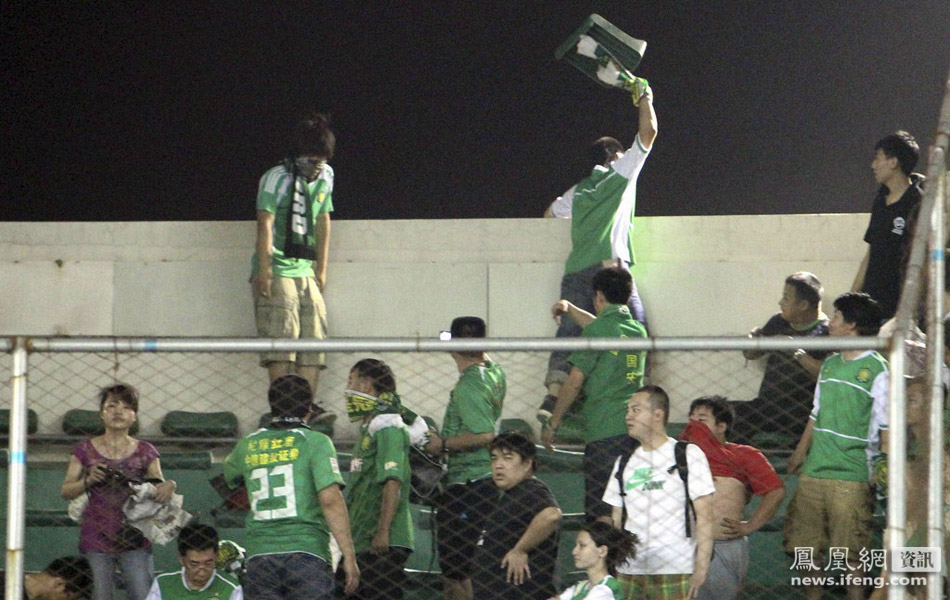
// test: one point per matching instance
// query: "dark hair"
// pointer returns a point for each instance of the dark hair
(615, 283)
(720, 407)
(860, 310)
(378, 373)
(197, 536)
(312, 135)
(75, 573)
(123, 392)
(807, 287)
(468, 327)
(604, 150)
(290, 395)
(513, 441)
(659, 400)
(902, 146)
(621, 544)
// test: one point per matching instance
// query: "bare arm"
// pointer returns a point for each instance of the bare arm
(539, 529)
(74, 483)
(260, 283)
(387, 510)
(808, 362)
(648, 123)
(616, 514)
(862, 271)
(801, 450)
(165, 489)
(754, 354)
(547, 213)
(334, 510)
(580, 316)
(704, 542)
(457, 443)
(323, 249)
(762, 515)
(565, 398)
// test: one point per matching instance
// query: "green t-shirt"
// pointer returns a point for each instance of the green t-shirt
(171, 586)
(610, 377)
(474, 407)
(274, 192)
(850, 411)
(381, 453)
(284, 470)
(602, 209)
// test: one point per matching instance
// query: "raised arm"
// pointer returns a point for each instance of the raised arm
(648, 123)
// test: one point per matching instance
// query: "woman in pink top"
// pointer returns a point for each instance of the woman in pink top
(103, 468)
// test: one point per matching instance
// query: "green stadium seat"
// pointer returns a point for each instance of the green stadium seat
(32, 421)
(179, 423)
(87, 423)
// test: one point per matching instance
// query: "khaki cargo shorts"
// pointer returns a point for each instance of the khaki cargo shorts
(827, 513)
(295, 310)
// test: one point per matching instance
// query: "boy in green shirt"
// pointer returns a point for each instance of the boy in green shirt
(378, 493)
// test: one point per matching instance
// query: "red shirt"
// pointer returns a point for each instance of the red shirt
(738, 461)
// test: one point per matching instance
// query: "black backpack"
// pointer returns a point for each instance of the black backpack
(679, 451)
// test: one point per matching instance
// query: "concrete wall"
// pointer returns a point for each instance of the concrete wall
(705, 276)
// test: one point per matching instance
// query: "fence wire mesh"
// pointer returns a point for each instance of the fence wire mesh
(198, 408)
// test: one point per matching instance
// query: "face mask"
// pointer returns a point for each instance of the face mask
(359, 405)
(308, 169)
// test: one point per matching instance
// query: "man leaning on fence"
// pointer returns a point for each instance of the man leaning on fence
(293, 482)
(668, 509)
(788, 384)
(608, 379)
(739, 473)
(833, 505)
(468, 427)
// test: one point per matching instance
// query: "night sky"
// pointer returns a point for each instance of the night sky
(172, 110)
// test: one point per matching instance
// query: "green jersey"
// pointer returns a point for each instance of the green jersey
(849, 413)
(381, 453)
(284, 470)
(171, 586)
(274, 192)
(601, 208)
(608, 587)
(474, 407)
(610, 378)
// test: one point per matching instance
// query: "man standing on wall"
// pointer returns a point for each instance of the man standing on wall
(601, 208)
(289, 267)
(893, 215)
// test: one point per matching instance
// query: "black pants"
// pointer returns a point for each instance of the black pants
(382, 577)
(599, 458)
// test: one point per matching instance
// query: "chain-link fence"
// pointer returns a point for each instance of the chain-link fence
(198, 408)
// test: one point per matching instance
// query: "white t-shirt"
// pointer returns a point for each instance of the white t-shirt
(656, 501)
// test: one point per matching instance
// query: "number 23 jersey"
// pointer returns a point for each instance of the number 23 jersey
(284, 470)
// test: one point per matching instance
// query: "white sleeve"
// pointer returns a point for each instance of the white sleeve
(153, 592)
(600, 592)
(879, 393)
(816, 403)
(567, 594)
(612, 490)
(237, 594)
(700, 477)
(631, 162)
(562, 207)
